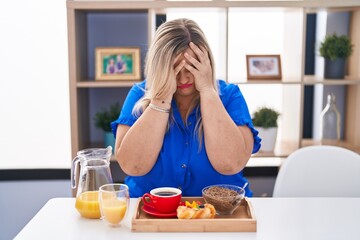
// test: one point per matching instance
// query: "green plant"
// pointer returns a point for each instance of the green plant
(334, 47)
(265, 117)
(104, 117)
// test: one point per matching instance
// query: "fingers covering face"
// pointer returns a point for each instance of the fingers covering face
(200, 52)
(195, 58)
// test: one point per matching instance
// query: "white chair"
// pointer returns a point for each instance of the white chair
(319, 171)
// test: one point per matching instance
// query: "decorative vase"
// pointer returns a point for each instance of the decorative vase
(268, 136)
(334, 69)
(330, 120)
(109, 140)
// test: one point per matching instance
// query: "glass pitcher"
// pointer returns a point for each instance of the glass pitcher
(94, 172)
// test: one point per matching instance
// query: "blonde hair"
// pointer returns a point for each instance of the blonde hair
(172, 38)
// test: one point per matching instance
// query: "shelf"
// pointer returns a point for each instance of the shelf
(250, 82)
(308, 80)
(265, 162)
(312, 80)
(105, 84)
(344, 144)
(282, 149)
(285, 148)
(110, 5)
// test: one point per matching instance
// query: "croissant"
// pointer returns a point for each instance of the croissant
(208, 211)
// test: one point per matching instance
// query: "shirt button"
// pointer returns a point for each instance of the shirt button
(183, 165)
(189, 123)
(179, 187)
(186, 143)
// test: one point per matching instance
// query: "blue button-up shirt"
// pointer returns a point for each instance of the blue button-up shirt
(181, 163)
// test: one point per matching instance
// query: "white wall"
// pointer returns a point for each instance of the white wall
(34, 91)
(212, 22)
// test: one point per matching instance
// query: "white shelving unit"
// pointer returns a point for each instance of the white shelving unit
(83, 86)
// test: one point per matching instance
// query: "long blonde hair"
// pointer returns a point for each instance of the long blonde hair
(172, 38)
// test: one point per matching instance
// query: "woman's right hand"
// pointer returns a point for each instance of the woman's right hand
(171, 85)
(178, 65)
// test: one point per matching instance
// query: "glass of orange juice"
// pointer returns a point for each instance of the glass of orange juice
(113, 203)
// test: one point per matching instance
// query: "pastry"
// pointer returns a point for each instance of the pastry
(195, 210)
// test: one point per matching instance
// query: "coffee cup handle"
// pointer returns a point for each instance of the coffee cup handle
(146, 202)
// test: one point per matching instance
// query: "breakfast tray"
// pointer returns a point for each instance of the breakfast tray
(242, 220)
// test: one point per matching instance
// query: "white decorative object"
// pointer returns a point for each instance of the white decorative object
(330, 120)
(268, 136)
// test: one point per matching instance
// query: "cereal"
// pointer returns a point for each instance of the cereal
(224, 199)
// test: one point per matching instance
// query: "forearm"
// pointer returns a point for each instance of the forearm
(140, 147)
(226, 145)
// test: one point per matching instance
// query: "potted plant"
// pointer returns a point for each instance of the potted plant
(335, 49)
(265, 121)
(103, 119)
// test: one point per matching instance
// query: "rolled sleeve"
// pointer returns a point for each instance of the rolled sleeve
(126, 116)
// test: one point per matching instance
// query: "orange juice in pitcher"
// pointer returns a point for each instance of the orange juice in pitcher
(94, 172)
(87, 204)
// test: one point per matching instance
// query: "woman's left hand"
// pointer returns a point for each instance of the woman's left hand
(200, 68)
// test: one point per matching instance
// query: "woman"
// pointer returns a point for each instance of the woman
(180, 127)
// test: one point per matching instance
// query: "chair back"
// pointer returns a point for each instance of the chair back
(319, 171)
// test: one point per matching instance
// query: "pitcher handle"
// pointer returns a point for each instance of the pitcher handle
(74, 170)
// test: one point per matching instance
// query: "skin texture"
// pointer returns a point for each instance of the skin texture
(228, 146)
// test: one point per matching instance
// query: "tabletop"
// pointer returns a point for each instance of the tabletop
(277, 218)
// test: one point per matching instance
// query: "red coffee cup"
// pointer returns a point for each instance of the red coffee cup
(163, 200)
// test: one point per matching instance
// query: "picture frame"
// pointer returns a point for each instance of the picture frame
(117, 63)
(263, 67)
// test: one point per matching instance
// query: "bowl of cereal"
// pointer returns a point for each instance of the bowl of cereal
(225, 198)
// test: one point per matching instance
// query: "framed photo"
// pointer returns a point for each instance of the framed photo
(260, 67)
(117, 63)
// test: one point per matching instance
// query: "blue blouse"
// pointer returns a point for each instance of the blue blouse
(180, 163)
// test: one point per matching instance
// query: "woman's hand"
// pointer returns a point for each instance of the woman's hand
(177, 66)
(200, 68)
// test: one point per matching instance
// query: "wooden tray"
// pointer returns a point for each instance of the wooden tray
(242, 220)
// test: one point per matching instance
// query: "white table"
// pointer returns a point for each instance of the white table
(277, 218)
